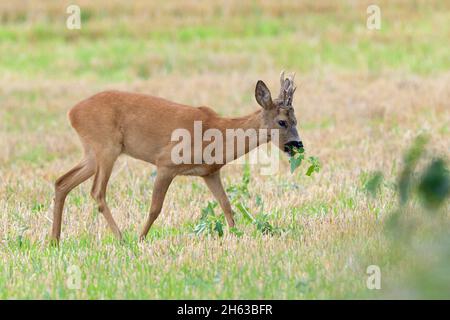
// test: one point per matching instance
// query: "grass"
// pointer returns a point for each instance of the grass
(168, 266)
(114, 50)
(363, 96)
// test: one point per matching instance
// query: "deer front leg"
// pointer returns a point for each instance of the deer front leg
(215, 185)
(162, 183)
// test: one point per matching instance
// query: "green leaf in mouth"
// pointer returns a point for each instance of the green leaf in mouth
(298, 155)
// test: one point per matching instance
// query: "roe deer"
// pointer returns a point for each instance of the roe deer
(111, 123)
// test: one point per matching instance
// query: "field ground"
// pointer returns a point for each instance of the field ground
(363, 97)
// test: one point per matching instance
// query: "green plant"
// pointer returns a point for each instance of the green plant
(419, 233)
(297, 158)
(434, 185)
(210, 223)
(410, 160)
(238, 192)
(314, 165)
(373, 185)
(260, 221)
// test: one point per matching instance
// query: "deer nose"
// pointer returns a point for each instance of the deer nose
(292, 144)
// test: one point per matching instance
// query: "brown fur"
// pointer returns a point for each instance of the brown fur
(111, 123)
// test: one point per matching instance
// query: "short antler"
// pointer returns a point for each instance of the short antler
(287, 89)
(282, 78)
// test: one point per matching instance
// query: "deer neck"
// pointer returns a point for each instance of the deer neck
(247, 128)
(250, 121)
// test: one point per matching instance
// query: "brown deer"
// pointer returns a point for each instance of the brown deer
(111, 123)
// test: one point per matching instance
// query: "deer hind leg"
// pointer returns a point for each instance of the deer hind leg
(162, 182)
(105, 164)
(215, 186)
(78, 174)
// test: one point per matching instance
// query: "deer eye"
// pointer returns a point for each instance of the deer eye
(282, 123)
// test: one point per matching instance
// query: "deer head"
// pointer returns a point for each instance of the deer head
(278, 114)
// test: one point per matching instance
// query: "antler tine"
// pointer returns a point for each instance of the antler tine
(282, 78)
(288, 86)
(292, 77)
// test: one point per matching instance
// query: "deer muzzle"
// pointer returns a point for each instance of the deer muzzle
(291, 145)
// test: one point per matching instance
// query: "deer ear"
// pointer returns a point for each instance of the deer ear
(262, 95)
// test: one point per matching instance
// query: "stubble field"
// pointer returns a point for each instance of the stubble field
(363, 96)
